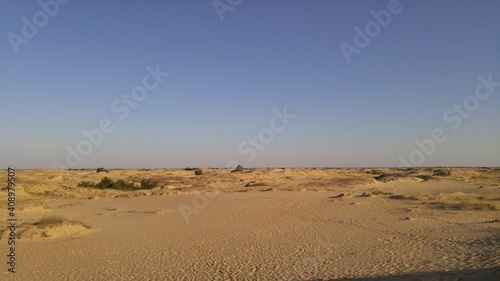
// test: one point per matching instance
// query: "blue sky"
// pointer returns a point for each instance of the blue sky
(226, 77)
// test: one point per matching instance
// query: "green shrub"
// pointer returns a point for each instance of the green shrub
(148, 184)
(107, 183)
(198, 172)
(101, 169)
(121, 184)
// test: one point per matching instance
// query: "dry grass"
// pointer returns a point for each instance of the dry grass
(43, 225)
(456, 200)
(379, 192)
(51, 183)
(467, 205)
(417, 197)
(54, 221)
(255, 184)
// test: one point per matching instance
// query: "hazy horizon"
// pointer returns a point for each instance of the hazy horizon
(176, 84)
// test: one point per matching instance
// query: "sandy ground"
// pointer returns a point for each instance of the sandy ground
(259, 224)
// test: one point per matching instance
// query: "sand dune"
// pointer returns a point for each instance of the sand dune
(310, 224)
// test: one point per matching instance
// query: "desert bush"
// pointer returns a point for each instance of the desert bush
(148, 184)
(101, 169)
(107, 183)
(123, 185)
(198, 172)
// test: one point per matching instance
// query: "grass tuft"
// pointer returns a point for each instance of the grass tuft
(53, 221)
(407, 197)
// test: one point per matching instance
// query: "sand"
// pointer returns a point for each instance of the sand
(259, 224)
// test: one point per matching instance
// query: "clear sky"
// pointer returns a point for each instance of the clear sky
(234, 67)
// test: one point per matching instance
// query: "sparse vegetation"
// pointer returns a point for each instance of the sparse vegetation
(456, 201)
(408, 197)
(466, 205)
(86, 184)
(148, 184)
(44, 224)
(49, 222)
(107, 183)
(441, 172)
(254, 184)
(379, 192)
(101, 170)
(365, 194)
(198, 172)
